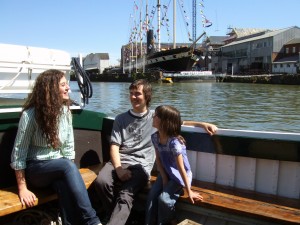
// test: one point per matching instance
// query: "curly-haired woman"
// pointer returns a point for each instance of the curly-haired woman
(43, 152)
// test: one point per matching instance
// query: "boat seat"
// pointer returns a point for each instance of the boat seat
(251, 204)
(10, 202)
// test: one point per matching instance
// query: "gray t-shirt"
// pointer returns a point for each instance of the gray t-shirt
(133, 135)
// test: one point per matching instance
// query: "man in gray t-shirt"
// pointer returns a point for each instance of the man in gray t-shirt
(131, 133)
(131, 154)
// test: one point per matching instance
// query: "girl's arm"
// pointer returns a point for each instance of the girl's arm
(208, 127)
(26, 197)
(192, 195)
(161, 169)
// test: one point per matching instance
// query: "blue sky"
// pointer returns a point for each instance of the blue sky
(98, 26)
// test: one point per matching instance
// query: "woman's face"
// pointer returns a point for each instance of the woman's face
(64, 88)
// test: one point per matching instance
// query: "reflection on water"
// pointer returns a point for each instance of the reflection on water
(228, 105)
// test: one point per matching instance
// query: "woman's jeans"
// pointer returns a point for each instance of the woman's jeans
(161, 201)
(64, 177)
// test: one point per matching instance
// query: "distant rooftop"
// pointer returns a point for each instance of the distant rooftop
(216, 40)
(294, 41)
(241, 32)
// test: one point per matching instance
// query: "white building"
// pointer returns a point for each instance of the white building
(260, 53)
(287, 65)
(288, 62)
(96, 62)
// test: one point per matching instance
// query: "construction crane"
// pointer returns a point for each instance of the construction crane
(194, 19)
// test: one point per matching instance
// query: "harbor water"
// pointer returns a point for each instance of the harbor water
(228, 105)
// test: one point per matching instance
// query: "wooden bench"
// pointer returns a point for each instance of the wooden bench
(10, 202)
(270, 208)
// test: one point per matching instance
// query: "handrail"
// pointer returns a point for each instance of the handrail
(286, 136)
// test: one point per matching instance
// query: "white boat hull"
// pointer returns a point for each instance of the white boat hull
(20, 65)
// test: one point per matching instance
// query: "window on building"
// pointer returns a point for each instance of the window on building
(275, 66)
(259, 45)
(258, 59)
(294, 49)
(281, 65)
(288, 65)
(287, 50)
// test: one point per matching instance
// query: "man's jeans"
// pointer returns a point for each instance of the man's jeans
(117, 196)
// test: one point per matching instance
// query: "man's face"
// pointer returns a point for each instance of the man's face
(137, 99)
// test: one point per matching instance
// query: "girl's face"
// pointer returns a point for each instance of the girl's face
(156, 121)
(64, 88)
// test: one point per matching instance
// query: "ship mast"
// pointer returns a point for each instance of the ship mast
(158, 25)
(174, 23)
(141, 41)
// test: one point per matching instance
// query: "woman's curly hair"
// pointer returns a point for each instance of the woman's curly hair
(47, 102)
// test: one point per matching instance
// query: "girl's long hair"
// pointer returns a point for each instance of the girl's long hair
(170, 121)
(47, 103)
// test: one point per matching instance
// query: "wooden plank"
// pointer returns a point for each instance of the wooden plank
(289, 179)
(188, 222)
(206, 166)
(225, 170)
(10, 203)
(248, 203)
(266, 179)
(245, 173)
(9, 199)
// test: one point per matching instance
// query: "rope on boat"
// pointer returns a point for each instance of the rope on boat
(10, 82)
(83, 81)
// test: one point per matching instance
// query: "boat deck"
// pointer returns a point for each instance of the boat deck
(11, 102)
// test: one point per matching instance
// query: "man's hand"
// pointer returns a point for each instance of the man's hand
(123, 174)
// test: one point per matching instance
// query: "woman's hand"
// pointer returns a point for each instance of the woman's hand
(27, 197)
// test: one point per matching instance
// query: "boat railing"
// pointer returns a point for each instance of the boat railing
(259, 161)
(287, 136)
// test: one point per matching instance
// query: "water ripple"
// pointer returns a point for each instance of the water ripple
(228, 105)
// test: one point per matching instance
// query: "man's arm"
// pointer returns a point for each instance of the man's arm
(115, 155)
(123, 174)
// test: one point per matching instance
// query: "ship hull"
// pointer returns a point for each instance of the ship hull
(173, 60)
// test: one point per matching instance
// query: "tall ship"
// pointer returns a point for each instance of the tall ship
(138, 56)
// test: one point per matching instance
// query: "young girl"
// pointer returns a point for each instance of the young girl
(173, 166)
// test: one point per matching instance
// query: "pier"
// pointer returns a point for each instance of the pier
(185, 76)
